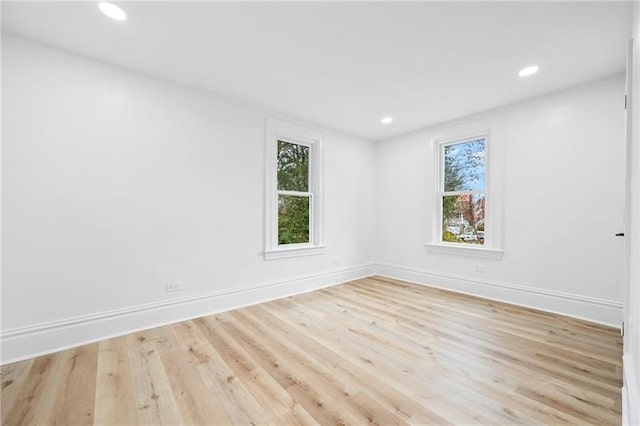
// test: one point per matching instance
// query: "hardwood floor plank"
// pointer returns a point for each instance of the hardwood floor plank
(154, 397)
(115, 398)
(373, 351)
(345, 375)
(447, 384)
(477, 333)
(76, 388)
(14, 377)
(274, 401)
(35, 401)
(306, 386)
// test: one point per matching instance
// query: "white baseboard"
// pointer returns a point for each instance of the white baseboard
(630, 393)
(40, 339)
(601, 311)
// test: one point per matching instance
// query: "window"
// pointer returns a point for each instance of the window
(293, 191)
(294, 196)
(462, 192)
(466, 196)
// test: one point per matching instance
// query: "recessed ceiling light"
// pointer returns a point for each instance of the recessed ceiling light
(386, 120)
(112, 11)
(527, 71)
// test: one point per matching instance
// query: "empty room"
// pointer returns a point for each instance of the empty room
(323, 213)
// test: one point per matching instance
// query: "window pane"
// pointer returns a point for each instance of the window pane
(464, 166)
(293, 167)
(463, 218)
(293, 219)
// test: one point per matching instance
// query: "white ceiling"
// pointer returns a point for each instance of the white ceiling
(345, 65)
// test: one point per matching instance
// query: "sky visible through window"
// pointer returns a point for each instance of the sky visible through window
(465, 166)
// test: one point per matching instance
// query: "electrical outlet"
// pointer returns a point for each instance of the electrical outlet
(175, 286)
(480, 268)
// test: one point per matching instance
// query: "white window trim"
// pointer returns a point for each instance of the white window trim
(289, 132)
(459, 249)
(492, 130)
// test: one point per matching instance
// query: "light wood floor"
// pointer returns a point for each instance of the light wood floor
(372, 351)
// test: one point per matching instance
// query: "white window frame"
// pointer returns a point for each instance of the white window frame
(279, 130)
(491, 131)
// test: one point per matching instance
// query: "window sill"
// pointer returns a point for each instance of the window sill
(282, 253)
(459, 250)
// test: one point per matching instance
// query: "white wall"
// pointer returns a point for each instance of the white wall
(563, 198)
(115, 184)
(632, 316)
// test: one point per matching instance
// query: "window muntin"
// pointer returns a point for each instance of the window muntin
(462, 191)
